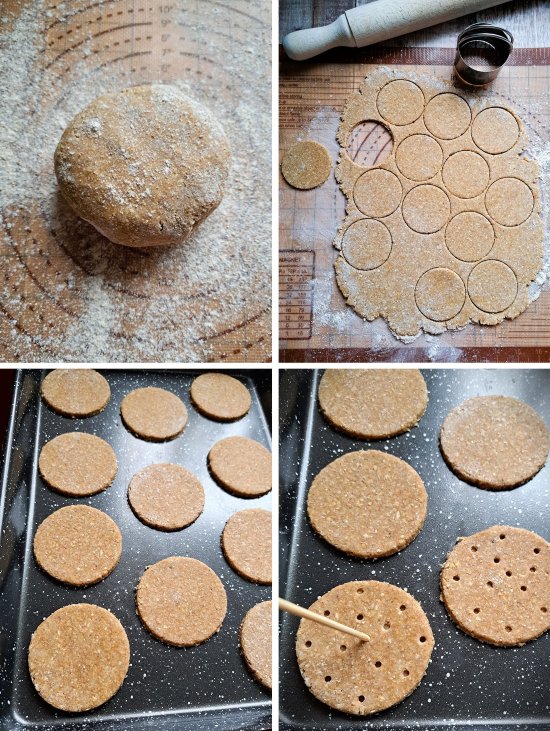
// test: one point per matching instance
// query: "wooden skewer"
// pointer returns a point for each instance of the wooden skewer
(297, 611)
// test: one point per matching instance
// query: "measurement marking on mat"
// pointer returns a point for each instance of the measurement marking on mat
(296, 273)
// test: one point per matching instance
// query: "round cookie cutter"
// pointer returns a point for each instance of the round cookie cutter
(489, 40)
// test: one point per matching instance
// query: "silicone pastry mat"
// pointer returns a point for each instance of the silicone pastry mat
(156, 305)
(315, 322)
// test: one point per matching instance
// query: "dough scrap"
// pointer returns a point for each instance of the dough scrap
(220, 397)
(256, 642)
(496, 442)
(365, 677)
(75, 392)
(242, 466)
(144, 165)
(456, 161)
(246, 544)
(306, 165)
(495, 586)
(153, 414)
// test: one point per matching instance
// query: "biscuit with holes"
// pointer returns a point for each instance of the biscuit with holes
(153, 414)
(246, 544)
(256, 642)
(220, 397)
(75, 392)
(242, 466)
(495, 585)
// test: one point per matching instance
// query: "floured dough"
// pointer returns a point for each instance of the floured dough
(373, 403)
(144, 165)
(246, 544)
(242, 466)
(256, 642)
(220, 396)
(153, 414)
(365, 677)
(447, 229)
(306, 165)
(75, 392)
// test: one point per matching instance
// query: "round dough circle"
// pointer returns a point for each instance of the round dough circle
(365, 677)
(509, 201)
(440, 294)
(373, 403)
(495, 130)
(242, 466)
(492, 285)
(367, 504)
(366, 244)
(77, 464)
(469, 236)
(447, 116)
(75, 392)
(144, 165)
(426, 209)
(466, 174)
(496, 442)
(181, 601)
(153, 414)
(78, 545)
(377, 193)
(166, 496)
(64, 670)
(419, 157)
(495, 585)
(220, 397)
(400, 102)
(246, 543)
(306, 165)
(256, 642)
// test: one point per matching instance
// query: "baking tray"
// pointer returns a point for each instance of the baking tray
(204, 687)
(467, 683)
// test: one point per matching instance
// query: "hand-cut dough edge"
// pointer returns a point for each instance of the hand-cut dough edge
(70, 414)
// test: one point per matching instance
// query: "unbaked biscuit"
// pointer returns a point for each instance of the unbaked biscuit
(496, 442)
(77, 464)
(78, 545)
(75, 392)
(153, 414)
(373, 403)
(78, 657)
(495, 585)
(365, 677)
(242, 466)
(367, 504)
(220, 396)
(246, 543)
(255, 638)
(306, 165)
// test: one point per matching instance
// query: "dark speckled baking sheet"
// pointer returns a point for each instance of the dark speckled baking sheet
(467, 683)
(205, 687)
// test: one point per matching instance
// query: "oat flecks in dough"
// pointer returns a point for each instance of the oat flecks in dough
(75, 392)
(496, 442)
(153, 414)
(220, 397)
(256, 642)
(306, 165)
(246, 543)
(448, 203)
(400, 102)
(365, 677)
(242, 466)
(495, 585)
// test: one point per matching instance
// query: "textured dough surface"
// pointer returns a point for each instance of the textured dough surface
(144, 165)
(456, 157)
(367, 504)
(153, 414)
(365, 677)
(166, 496)
(77, 464)
(373, 403)
(246, 543)
(78, 545)
(256, 642)
(242, 466)
(306, 165)
(75, 392)
(79, 657)
(496, 442)
(181, 601)
(495, 585)
(220, 396)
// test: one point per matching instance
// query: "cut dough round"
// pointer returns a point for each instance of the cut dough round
(220, 396)
(367, 244)
(498, 200)
(75, 392)
(495, 442)
(419, 157)
(377, 193)
(246, 543)
(426, 209)
(495, 585)
(447, 116)
(166, 496)
(306, 165)
(256, 642)
(242, 466)
(400, 102)
(373, 403)
(492, 285)
(365, 677)
(78, 545)
(466, 174)
(79, 657)
(367, 504)
(181, 601)
(144, 165)
(77, 464)
(440, 294)
(153, 414)
(469, 236)
(495, 130)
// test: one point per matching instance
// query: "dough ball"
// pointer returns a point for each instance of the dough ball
(144, 165)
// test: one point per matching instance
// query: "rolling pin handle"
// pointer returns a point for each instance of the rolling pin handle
(303, 44)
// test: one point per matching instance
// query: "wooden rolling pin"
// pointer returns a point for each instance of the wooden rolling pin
(377, 21)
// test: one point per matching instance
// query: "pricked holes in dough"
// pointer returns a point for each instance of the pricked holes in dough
(406, 673)
(508, 573)
(378, 664)
(402, 608)
(360, 617)
(326, 613)
(422, 639)
(508, 628)
(476, 610)
(327, 678)
(456, 577)
(369, 144)
(308, 643)
(361, 699)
